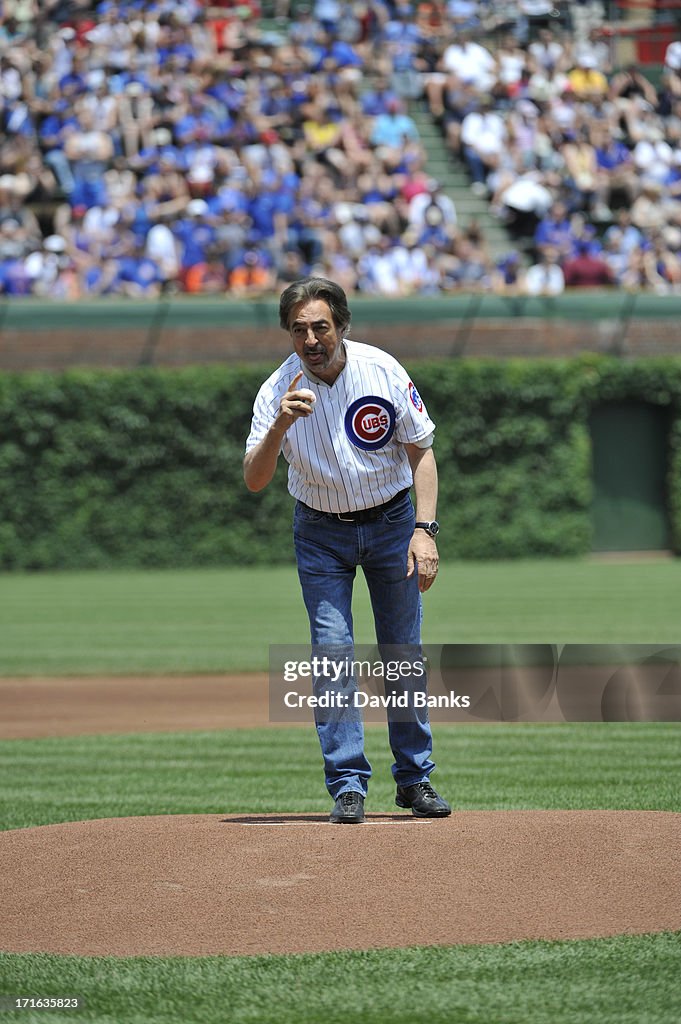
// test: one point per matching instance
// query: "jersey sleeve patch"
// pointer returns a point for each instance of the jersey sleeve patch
(415, 397)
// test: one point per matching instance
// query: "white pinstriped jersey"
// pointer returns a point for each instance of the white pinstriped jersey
(349, 454)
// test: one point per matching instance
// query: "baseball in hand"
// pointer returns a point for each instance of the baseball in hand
(305, 395)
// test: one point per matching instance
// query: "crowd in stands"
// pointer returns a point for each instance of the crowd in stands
(159, 146)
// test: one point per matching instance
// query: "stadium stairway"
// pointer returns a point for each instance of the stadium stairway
(452, 175)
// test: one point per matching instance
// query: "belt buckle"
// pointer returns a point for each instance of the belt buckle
(346, 519)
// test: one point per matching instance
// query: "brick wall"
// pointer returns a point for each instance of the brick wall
(97, 346)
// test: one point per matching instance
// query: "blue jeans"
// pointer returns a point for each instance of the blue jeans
(328, 552)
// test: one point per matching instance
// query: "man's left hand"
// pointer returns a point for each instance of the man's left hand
(422, 555)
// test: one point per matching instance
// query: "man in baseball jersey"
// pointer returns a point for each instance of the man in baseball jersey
(357, 436)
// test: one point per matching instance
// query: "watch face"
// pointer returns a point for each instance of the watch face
(434, 528)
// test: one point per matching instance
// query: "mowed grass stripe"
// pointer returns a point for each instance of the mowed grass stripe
(522, 766)
(224, 620)
(622, 980)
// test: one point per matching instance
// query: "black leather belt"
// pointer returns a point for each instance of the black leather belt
(363, 515)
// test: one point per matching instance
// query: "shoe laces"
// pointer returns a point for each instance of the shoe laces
(427, 789)
(348, 798)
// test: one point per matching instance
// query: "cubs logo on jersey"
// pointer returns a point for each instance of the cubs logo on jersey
(370, 422)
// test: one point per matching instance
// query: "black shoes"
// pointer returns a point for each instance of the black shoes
(423, 800)
(348, 809)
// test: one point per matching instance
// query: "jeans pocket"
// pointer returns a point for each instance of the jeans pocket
(307, 515)
(401, 513)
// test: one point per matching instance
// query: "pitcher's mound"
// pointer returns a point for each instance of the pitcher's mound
(209, 884)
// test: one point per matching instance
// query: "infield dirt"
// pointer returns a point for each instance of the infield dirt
(216, 884)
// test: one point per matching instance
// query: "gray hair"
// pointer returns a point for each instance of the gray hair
(315, 288)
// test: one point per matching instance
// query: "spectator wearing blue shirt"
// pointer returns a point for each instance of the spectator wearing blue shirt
(203, 122)
(72, 84)
(375, 101)
(402, 40)
(555, 231)
(628, 236)
(394, 128)
(269, 208)
(615, 255)
(15, 245)
(584, 237)
(615, 167)
(230, 198)
(16, 119)
(332, 54)
(305, 29)
(311, 214)
(194, 234)
(52, 133)
(401, 27)
(327, 13)
(138, 275)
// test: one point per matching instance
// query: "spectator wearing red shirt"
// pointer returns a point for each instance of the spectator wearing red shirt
(586, 270)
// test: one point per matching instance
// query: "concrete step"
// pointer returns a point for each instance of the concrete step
(455, 181)
(456, 178)
(432, 132)
(470, 203)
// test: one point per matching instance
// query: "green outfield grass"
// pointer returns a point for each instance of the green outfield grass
(501, 766)
(224, 620)
(625, 980)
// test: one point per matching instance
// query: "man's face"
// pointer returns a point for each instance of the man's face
(316, 339)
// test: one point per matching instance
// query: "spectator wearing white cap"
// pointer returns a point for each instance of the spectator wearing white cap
(585, 78)
(195, 233)
(44, 264)
(595, 49)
